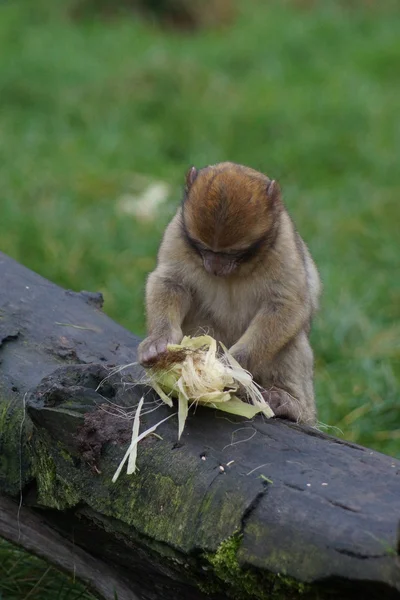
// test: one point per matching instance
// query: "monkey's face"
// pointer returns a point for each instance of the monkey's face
(229, 213)
(222, 264)
(216, 263)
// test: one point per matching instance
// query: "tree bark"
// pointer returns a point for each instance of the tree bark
(239, 509)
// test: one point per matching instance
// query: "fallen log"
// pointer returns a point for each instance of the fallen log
(24, 528)
(236, 509)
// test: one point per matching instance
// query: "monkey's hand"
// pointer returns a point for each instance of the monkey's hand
(241, 353)
(156, 344)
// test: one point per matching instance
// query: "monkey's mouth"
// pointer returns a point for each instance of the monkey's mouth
(218, 266)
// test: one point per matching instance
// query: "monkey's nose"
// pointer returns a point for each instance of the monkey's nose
(217, 265)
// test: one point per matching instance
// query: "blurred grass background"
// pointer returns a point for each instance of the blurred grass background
(96, 104)
(23, 576)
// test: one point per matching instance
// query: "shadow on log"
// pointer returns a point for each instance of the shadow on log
(237, 509)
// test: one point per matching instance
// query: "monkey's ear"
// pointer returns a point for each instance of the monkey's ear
(273, 191)
(191, 177)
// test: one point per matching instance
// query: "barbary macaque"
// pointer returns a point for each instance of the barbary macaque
(232, 264)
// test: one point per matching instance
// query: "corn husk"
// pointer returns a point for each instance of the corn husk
(206, 377)
(194, 372)
(130, 454)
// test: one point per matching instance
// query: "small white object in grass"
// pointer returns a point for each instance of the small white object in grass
(308, 484)
(230, 463)
(145, 207)
(221, 468)
(324, 484)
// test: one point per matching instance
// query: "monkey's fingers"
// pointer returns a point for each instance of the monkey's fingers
(151, 348)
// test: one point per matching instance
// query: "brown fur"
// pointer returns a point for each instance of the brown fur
(261, 305)
(235, 209)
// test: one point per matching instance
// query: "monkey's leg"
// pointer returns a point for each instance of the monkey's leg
(288, 382)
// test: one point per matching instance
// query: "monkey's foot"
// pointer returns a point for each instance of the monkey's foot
(285, 405)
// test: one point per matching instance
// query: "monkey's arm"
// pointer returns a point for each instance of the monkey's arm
(285, 314)
(167, 302)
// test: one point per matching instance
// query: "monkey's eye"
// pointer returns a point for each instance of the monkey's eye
(199, 247)
(194, 244)
(249, 252)
(233, 256)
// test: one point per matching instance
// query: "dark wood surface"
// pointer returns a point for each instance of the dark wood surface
(281, 499)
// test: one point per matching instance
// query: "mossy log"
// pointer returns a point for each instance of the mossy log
(236, 509)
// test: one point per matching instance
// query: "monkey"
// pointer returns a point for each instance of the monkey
(232, 263)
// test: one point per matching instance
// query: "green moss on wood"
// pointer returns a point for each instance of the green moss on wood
(65, 455)
(15, 460)
(162, 511)
(306, 556)
(54, 491)
(161, 506)
(163, 500)
(240, 583)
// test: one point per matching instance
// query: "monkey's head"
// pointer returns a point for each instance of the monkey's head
(230, 216)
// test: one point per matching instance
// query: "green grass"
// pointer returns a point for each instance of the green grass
(310, 96)
(23, 576)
